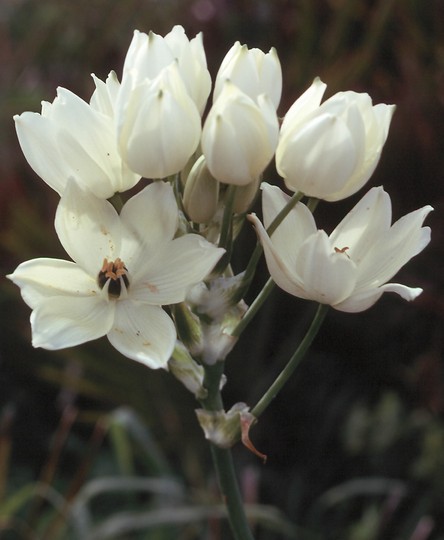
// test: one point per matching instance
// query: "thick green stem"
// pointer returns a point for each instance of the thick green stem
(223, 461)
(294, 361)
(229, 487)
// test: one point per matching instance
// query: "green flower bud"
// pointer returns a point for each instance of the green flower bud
(201, 193)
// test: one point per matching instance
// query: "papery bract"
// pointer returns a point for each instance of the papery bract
(252, 71)
(329, 151)
(73, 140)
(125, 268)
(349, 268)
(239, 136)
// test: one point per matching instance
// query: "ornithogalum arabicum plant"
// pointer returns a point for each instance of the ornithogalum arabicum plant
(171, 243)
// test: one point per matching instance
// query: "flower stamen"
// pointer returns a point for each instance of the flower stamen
(116, 273)
(342, 250)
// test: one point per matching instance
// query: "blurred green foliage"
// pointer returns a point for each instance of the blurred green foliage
(355, 443)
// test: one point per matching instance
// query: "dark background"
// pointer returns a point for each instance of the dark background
(355, 442)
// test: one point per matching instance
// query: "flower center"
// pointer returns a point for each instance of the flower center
(116, 273)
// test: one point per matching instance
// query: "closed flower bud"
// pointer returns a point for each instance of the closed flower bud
(329, 151)
(201, 193)
(239, 136)
(158, 123)
(149, 54)
(252, 71)
(190, 55)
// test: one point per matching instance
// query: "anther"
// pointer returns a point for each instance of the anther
(116, 273)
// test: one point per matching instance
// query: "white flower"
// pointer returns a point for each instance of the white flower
(149, 54)
(158, 123)
(329, 151)
(190, 56)
(73, 140)
(105, 95)
(350, 268)
(252, 71)
(125, 268)
(239, 136)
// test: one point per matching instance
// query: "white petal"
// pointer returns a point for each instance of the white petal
(239, 136)
(307, 103)
(407, 293)
(40, 279)
(168, 274)
(157, 117)
(88, 228)
(65, 321)
(365, 225)
(150, 218)
(297, 226)
(105, 95)
(36, 137)
(86, 139)
(360, 301)
(143, 333)
(318, 158)
(405, 239)
(328, 277)
(365, 299)
(282, 274)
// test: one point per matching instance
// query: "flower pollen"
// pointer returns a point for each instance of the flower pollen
(116, 273)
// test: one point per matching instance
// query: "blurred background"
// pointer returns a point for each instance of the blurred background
(93, 446)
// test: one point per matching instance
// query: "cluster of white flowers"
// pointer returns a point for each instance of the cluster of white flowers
(167, 238)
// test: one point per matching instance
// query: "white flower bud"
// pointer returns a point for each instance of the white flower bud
(239, 136)
(201, 193)
(190, 55)
(329, 151)
(252, 71)
(158, 123)
(150, 53)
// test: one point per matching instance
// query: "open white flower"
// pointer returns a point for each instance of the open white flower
(71, 139)
(125, 268)
(348, 269)
(330, 150)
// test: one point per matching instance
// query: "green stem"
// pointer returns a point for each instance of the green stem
(226, 227)
(223, 460)
(117, 201)
(254, 308)
(312, 203)
(284, 212)
(229, 487)
(292, 364)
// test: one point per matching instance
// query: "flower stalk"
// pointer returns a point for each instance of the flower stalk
(223, 459)
(293, 363)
